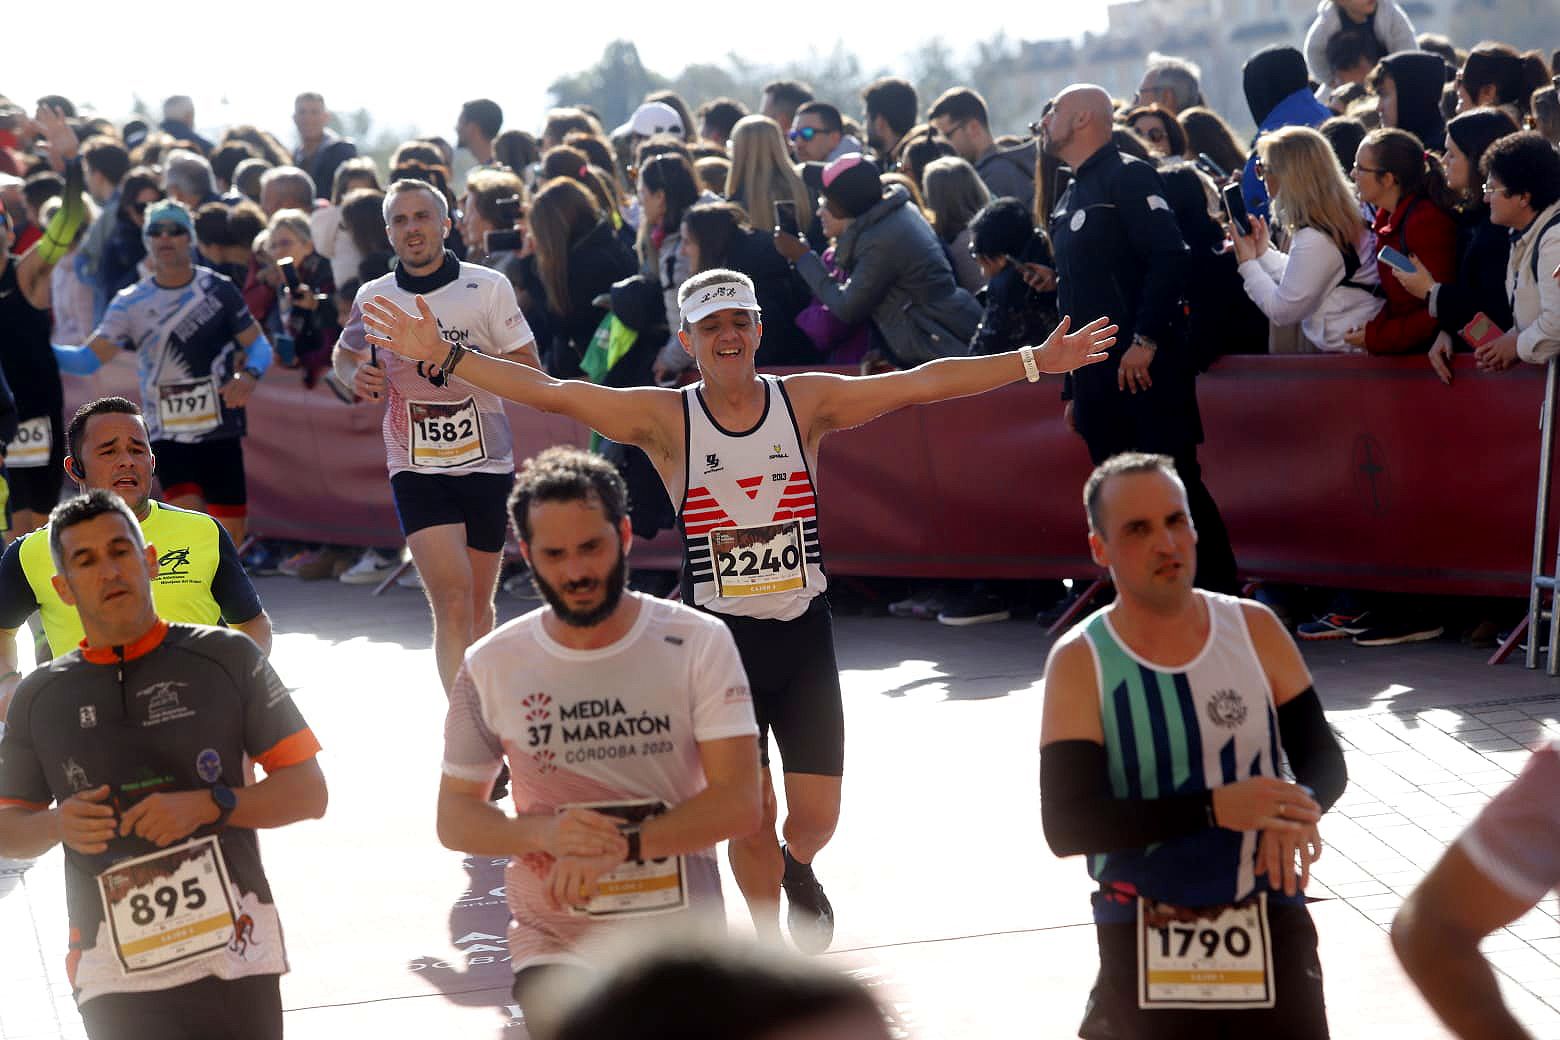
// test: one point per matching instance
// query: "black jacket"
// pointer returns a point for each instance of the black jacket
(1119, 253)
(781, 296)
(595, 262)
(1482, 249)
(1015, 314)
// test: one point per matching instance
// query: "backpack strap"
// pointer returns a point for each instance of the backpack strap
(1351, 267)
(1539, 241)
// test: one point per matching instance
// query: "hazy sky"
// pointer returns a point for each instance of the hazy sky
(409, 72)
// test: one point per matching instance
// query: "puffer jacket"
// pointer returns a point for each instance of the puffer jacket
(900, 278)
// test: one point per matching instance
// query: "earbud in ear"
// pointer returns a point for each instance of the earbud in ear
(73, 468)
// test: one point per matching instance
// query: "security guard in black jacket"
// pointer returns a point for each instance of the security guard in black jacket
(1119, 252)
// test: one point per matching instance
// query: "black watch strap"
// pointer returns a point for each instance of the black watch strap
(226, 801)
(632, 834)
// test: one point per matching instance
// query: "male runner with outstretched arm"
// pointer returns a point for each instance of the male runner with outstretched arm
(739, 451)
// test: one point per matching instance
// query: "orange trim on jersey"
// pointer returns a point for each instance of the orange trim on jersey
(18, 803)
(140, 648)
(290, 751)
(231, 512)
(73, 958)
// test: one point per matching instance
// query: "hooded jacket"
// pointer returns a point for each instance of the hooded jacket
(1390, 24)
(1279, 95)
(1010, 172)
(901, 279)
(1419, 77)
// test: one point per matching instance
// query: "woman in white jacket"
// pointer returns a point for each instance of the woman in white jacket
(1327, 281)
(1383, 19)
(1522, 186)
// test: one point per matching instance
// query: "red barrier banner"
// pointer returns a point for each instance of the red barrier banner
(1346, 471)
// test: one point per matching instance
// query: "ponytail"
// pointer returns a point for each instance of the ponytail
(1401, 154)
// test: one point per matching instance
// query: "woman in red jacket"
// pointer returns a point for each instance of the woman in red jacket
(1395, 174)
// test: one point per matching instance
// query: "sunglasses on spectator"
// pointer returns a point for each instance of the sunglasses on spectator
(166, 231)
(805, 133)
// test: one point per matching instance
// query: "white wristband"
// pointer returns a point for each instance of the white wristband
(1031, 370)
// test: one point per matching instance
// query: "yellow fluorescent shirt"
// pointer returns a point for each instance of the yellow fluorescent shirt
(199, 579)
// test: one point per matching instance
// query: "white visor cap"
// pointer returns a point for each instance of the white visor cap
(717, 296)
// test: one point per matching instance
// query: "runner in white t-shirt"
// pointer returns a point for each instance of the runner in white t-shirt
(740, 451)
(626, 723)
(447, 443)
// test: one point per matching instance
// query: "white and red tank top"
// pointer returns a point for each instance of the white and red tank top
(749, 513)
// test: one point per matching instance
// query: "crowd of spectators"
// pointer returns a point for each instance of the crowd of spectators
(917, 231)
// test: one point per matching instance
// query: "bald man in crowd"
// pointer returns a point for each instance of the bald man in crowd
(1119, 252)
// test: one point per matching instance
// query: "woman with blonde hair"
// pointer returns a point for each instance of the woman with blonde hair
(954, 194)
(1328, 280)
(762, 174)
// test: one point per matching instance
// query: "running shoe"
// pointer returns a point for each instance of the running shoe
(263, 560)
(975, 608)
(809, 916)
(1391, 631)
(370, 568)
(304, 559)
(1334, 626)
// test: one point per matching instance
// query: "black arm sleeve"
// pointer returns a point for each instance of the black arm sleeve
(1080, 814)
(17, 601)
(230, 586)
(1313, 751)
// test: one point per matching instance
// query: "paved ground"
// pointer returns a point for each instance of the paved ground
(948, 901)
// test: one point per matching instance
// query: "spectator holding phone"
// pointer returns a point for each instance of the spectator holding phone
(1479, 286)
(308, 318)
(1327, 281)
(1003, 238)
(1522, 186)
(1394, 174)
(761, 171)
(899, 274)
(1208, 134)
(491, 215)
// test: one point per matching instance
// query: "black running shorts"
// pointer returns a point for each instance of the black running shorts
(37, 488)
(796, 688)
(1299, 1011)
(479, 501)
(236, 1009)
(214, 470)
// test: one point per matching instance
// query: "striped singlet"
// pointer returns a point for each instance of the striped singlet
(1177, 731)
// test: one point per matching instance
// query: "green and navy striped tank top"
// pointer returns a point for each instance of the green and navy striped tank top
(1180, 731)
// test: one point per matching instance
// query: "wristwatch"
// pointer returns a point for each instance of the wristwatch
(226, 802)
(631, 833)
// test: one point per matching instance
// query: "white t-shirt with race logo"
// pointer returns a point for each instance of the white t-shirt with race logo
(618, 724)
(435, 424)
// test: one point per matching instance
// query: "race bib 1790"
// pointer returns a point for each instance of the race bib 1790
(1216, 963)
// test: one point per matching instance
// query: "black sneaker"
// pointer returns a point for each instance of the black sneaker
(1388, 631)
(810, 917)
